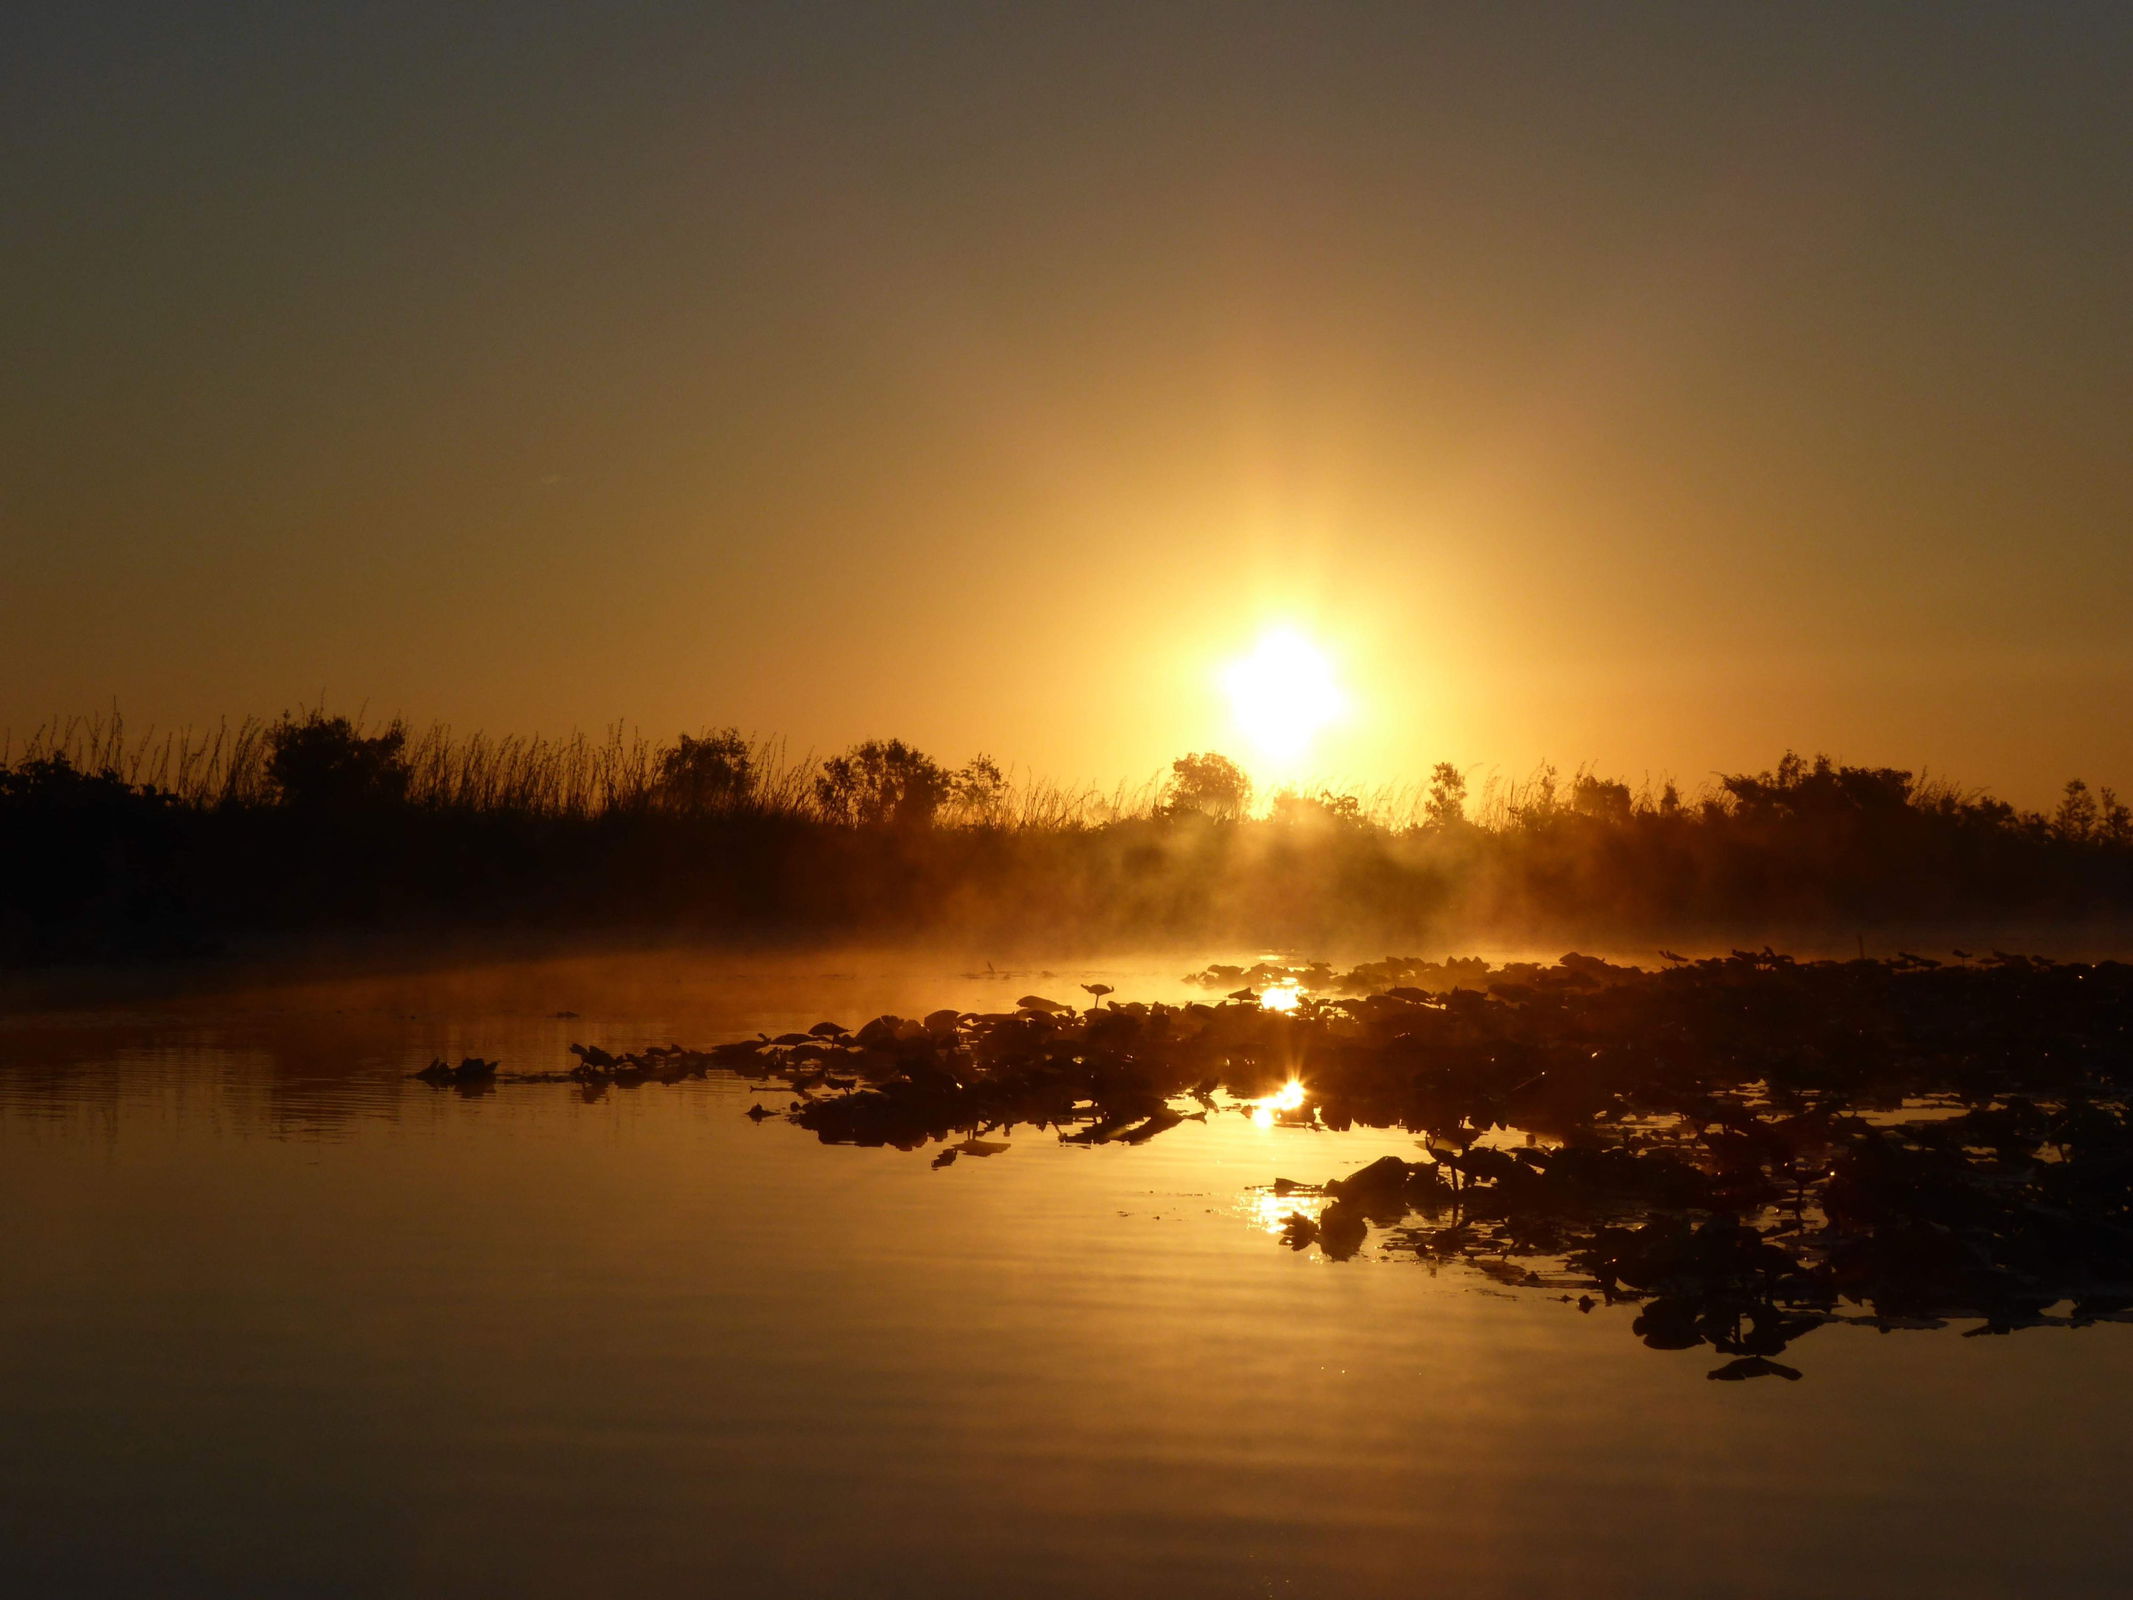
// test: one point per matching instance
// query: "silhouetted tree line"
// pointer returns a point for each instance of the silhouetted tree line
(311, 823)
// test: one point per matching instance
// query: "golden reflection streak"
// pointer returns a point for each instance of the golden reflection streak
(1269, 1109)
(1272, 1211)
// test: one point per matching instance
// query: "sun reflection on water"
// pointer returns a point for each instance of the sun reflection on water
(1271, 1108)
(1281, 997)
(1272, 1211)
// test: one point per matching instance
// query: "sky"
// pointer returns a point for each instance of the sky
(1648, 387)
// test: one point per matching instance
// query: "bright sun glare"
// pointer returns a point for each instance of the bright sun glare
(1269, 1109)
(1283, 694)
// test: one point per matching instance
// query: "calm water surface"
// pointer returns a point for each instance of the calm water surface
(276, 1321)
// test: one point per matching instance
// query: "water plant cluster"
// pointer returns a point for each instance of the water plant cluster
(1742, 1149)
(114, 845)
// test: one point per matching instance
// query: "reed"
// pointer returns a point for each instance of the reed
(583, 775)
(107, 830)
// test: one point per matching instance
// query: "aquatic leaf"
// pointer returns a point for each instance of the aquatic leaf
(1668, 1324)
(1384, 1180)
(1342, 1229)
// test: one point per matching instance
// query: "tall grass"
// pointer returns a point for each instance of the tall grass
(576, 776)
(581, 776)
(117, 839)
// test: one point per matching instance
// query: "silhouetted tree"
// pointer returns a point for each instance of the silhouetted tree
(2078, 818)
(53, 785)
(2115, 825)
(979, 790)
(1797, 791)
(1207, 785)
(1535, 804)
(1601, 799)
(881, 783)
(322, 764)
(1446, 805)
(712, 774)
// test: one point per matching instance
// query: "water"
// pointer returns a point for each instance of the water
(277, 1321)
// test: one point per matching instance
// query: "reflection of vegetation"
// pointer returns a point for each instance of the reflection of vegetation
(1745, 1148)
(111, 845)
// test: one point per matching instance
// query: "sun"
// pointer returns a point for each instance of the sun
(1282, 695)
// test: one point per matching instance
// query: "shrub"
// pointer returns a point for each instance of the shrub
(1446, 805)
(1599, 798)
(980, 792)
(881, 783)
(1210, 785)
(713, 774)
(322, 764)
(1324, 809)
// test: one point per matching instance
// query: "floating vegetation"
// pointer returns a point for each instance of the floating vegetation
(1743, 1148)
(472, 1076)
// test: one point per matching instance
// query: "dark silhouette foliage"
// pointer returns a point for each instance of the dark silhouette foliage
(316, 823)
(1798, 792)
(84, 860)
(1446, 806)
(881, 783)
(979, 791)
(715, 773)
(322, 763)
(1600, 799)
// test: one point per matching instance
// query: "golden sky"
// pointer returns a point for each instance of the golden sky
(1649, 386)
